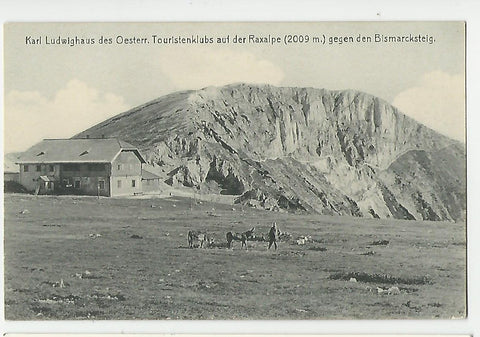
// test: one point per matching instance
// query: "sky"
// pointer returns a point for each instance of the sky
(55, 91)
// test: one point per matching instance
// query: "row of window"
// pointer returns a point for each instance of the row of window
(126, 166)
(119, 183)
(38, 168)
(89, 167)
(66, 167)
(76, 167)
(101, 184)
(76, 183)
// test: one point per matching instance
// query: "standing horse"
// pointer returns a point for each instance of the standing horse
(199, 238)
(239, 237)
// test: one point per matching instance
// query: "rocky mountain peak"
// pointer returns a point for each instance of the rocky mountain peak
(299, 149)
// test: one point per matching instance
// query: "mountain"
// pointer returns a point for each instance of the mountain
(300, 150)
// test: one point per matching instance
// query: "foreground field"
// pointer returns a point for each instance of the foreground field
(88, 258)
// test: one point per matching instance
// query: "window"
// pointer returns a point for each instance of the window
(25, 168)
(77, 184)
(133, 183)
(119, 183)
(101, 184)
(71, 167)
(39, 168)
(96, 167)
(119, 167)
(51, 168)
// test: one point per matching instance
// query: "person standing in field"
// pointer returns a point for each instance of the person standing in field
(273, 236)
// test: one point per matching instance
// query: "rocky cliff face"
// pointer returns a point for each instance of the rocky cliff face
(299, 149)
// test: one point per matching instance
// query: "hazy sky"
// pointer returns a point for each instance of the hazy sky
(55, 91)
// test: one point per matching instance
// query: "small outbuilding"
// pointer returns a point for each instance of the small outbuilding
(10, 169)
(150, 182)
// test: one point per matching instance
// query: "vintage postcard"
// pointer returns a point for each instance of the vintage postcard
(231, 171)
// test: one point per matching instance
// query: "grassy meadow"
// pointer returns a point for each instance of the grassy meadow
(79, 258)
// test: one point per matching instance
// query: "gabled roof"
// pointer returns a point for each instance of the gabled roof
(147, 175)
(9, 163)
(78, 150)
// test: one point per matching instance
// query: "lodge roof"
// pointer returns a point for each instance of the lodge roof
(77, 150)
(147, 175)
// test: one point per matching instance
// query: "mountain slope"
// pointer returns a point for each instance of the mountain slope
(300, 149)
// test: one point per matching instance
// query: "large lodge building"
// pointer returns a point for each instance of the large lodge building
(90, 166)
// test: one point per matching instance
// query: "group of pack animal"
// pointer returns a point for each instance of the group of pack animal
(202, 239)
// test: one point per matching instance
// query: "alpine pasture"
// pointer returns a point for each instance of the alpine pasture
(128, 258)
